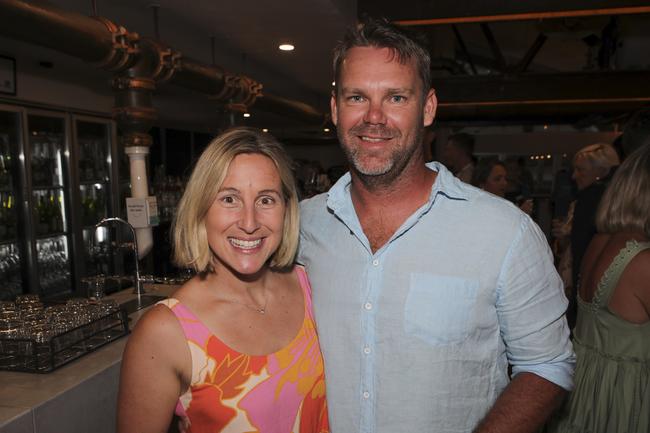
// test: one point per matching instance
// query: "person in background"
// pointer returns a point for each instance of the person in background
(425, 288)
(490, 175)
(235, 348)
(612, 333)
(458, 156)
(525, 176)
(593, 167)
(519, 188)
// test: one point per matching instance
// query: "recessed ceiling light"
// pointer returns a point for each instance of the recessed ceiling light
(333, 83)
(247, 114)
(265, 130)
(286, 47)
(326, 130)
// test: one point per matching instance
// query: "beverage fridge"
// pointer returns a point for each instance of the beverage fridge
(58, 178)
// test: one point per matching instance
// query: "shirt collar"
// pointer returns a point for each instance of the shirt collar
(446, 184)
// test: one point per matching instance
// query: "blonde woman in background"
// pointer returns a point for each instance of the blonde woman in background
(612, 334)
(593, 167)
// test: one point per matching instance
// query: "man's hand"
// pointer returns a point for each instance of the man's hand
(524, 406)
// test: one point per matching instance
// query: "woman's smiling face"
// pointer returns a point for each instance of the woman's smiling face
(244, 224)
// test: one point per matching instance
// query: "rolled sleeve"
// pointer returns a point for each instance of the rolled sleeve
(531, 306)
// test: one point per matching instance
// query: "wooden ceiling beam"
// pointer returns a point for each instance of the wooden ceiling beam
(526, 16)
(541, 95)
(440, 12)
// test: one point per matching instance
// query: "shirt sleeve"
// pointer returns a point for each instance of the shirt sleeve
(531, 306)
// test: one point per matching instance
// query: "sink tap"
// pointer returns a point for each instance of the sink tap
(139, 289)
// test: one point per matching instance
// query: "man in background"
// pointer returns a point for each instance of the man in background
(458, 156)
(425, 289)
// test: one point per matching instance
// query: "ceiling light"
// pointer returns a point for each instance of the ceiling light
(326, 130)
(333, 83)
(286, 47)
(548, 156)
(247, 114)
(265, 129)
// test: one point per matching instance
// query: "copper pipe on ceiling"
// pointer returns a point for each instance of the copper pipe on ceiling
(527, 16)
(109, 46)
(40, 23)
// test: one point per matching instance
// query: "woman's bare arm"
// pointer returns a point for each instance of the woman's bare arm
(155, 370)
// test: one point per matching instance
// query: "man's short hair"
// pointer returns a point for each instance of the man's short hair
(636, 131)
(625, 205)
(191, 248)
(380, 33)
(464, 142)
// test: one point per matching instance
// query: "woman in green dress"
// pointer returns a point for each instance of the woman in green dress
(612, 333)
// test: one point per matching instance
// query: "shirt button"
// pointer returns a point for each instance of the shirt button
(366, 350)
(366, 394)
(375, 262)
(368, 306)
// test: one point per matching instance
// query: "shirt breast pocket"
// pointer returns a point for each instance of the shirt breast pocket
(438, 308)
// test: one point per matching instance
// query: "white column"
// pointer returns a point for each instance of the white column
(140, 189)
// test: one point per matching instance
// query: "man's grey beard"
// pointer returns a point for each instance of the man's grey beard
(386, 174)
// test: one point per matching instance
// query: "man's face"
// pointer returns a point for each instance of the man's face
(379, 112)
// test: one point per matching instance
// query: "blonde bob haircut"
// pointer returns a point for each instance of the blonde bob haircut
(625, 205)
(191, 249)
(601, 157)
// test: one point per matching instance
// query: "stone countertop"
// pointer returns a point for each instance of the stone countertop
(21, 394)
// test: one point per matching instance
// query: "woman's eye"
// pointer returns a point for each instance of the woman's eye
(228, 200)
(266, 201)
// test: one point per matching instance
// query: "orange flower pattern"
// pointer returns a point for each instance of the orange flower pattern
(232, 392)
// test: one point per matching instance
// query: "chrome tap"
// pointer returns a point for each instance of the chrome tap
(139, 288)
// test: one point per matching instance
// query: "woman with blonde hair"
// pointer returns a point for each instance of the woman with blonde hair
(593, 167)
(612, 334)
(235, 348)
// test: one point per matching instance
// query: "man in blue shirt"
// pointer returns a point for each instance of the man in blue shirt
(425, 288)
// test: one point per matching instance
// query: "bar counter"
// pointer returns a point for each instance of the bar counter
(80, 397)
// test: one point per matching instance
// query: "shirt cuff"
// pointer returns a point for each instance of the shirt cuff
(560, 373)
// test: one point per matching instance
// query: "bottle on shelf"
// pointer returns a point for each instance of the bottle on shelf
(3, 218)
(56, 212)
(7, 217)
(43, 211)
(88, 208)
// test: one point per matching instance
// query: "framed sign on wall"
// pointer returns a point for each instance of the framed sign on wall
(7, 75)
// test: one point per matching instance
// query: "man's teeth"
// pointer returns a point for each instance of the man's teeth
(372, 140)
(240, 243)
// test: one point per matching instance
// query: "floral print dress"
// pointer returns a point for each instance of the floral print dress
(283, 392)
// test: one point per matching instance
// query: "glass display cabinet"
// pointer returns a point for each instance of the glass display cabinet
(95, 144)
(57, 180)
(11, 249)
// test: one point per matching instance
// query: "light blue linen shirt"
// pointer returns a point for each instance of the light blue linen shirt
(418, 336)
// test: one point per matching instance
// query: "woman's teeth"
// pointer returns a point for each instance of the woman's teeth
(240, 243)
